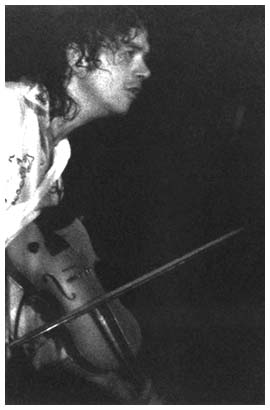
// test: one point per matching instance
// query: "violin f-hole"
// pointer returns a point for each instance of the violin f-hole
(47, 277)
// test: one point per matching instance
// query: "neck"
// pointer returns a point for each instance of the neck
(87, 110)
(61, 127)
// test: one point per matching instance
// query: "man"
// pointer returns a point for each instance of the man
(94, 67)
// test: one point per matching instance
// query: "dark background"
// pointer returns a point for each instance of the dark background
(183, 167)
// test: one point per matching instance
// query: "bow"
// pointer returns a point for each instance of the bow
(94, 303)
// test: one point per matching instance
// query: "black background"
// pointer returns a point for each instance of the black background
(183, 167)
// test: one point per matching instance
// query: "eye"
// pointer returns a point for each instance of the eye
(125, 56)
(130, 53)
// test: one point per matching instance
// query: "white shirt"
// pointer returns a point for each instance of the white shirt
(34, 165)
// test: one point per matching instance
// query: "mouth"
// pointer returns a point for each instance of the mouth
(133, 91)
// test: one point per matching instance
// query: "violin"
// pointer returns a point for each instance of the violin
(103, 334)
(107, 338)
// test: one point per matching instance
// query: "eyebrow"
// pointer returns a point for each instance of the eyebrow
(146, 50)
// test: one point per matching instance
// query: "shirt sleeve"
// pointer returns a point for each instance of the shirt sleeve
(13, 123)
(18, 165)
(31, 180)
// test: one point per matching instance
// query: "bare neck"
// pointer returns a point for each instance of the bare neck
(88, 109)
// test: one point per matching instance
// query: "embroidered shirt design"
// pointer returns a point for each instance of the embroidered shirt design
(25, 165)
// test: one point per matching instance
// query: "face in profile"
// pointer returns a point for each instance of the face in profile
(118, 80)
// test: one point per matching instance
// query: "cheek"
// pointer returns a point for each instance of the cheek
(103, 83)
(112, 84)
(109, 81)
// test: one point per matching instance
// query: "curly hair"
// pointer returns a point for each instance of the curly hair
(90, 28)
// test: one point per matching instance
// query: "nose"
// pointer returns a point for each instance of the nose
(143, 71)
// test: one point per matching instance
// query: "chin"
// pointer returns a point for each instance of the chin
(121, 110)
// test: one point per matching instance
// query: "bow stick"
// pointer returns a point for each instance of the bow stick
(94, 303)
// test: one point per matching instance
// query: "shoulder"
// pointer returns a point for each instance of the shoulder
(16, 90)
(22, 97)
(13, 104)
(17, 87)
(29, 91)
(22, 112)
(14, 96)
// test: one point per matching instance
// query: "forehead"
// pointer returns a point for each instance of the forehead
(138, 40)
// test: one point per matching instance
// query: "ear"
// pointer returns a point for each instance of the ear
(77, 63)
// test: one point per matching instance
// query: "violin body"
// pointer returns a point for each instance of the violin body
(65, 271)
